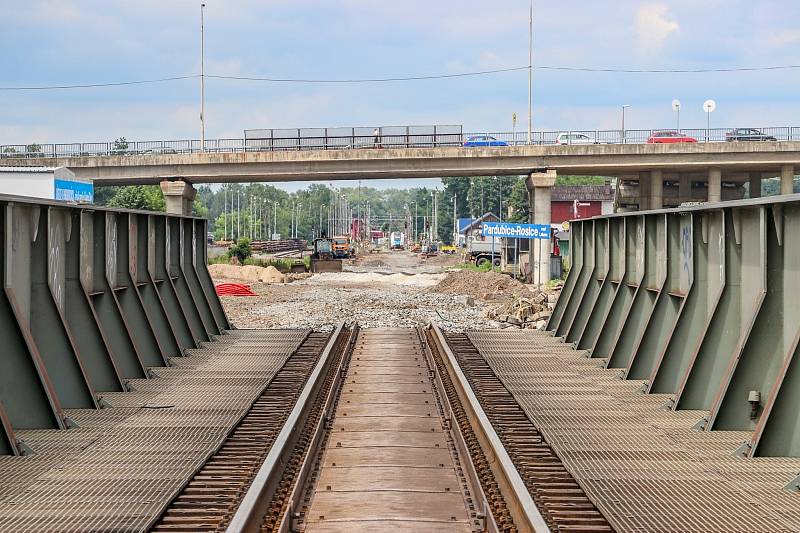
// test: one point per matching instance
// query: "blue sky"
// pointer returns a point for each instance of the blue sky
(82, 41)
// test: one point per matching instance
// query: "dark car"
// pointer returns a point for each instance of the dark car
(748, 134)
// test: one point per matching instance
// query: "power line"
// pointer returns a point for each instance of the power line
(369, 80)
(91, 85)
(406, 78)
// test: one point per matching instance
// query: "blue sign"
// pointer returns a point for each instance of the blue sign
(513, 230)
(74, 191)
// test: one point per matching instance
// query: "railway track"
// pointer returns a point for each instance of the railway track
(380, 430)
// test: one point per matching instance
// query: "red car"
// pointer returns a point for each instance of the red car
(669, 137)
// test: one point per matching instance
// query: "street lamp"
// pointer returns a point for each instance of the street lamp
(530, 73)
(202, 81)
(709, 106)
(676, 106)
(625, 106)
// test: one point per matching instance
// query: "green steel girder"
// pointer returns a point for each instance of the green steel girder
(189, 270)
(704, 293)
(40, 235)
(82, 321)
(595, 280)
(615, 272)
(702, 308)
(175, 269)
(745, 287)
(124, 288)
(159, 320)
(88, 303)
(158, 271)
(669, 300)
(578, 293)
(26, 391)
(111, 320)
(576, 253)
(203, 276)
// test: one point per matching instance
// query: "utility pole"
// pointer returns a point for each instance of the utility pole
(202, 81)
(530, 74)
(238, 214)
(455, 219)
(275, 219)
(224, 214)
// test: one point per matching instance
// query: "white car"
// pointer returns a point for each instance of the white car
(574, 138)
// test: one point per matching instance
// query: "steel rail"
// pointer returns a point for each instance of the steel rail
(520, 503)
(249, 515)
(490, 524)
(287, 520)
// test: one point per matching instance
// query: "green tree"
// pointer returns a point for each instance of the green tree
(146, 197)
(241, 250)
(120, 146)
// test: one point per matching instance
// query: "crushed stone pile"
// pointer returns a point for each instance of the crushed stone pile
(483, 285)
(250, 273)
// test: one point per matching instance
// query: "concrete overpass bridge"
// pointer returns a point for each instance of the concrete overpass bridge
(652, 176)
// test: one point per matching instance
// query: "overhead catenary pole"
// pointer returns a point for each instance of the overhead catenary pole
(530, 74)
(202, 81)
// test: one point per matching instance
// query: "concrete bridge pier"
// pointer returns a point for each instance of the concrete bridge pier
(787, 179)
(179, 196)
(755, 184)
(539, 185)
(714, 185)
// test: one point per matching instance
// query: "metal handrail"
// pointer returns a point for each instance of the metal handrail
(387, 139)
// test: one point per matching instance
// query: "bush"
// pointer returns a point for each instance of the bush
(241, 250)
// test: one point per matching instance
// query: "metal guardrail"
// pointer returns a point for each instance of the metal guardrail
(697, 302)
(355, 138)
(91, 299)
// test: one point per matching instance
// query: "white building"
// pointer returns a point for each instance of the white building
(49, 183)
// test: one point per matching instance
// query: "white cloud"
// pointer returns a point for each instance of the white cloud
(653, 26)
(785, 38)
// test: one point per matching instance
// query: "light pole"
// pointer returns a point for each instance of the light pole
(530, 73)
(709, 106)
(202, 81)
(625, 106)
(274, 220)
(676, 106)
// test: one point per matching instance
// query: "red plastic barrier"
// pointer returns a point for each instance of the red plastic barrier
(234, 289)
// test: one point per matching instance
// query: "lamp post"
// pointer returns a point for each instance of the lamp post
(625, 106)
(202, 81)
(676, 106)
(530, 73)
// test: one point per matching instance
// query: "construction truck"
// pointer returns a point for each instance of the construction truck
(480, 251)
(341, 247)
(322, 258)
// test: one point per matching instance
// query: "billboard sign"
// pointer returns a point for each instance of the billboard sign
(73, 191)
(512, 230)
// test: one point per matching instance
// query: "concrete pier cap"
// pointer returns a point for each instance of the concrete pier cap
(179, 196)
(539, 184)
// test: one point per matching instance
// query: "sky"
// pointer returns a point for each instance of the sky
(59, 42)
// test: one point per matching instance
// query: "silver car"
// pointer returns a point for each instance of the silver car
(574, 138)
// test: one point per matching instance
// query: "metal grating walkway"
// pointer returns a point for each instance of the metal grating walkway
(643, 466)
(121, 466)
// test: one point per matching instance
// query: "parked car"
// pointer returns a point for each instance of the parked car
(669, 137)
(483, 140)
(574, 138)
(748, 134)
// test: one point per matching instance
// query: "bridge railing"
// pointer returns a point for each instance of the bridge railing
(357, 138)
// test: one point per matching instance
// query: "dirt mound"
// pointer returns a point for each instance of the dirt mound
(484, 285)
(250, 273)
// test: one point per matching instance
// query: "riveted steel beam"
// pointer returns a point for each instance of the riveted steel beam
(705, 290)
(123, 286)
(189, 268)
(585, 275)
(158, 270)
(97, 256)
(158, 319)
(596, 281)
(576, 247)
(82, 321)
(745, 287)
(175, 269)
(37, 274)
(611, 282)
(203, 276)
(26, 392)
(669, 300)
